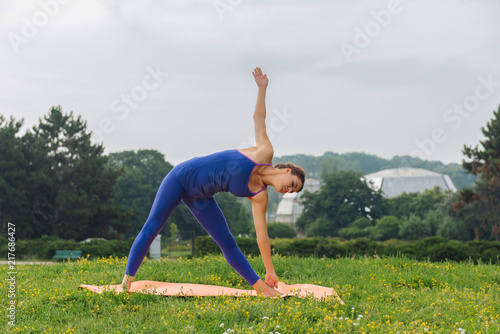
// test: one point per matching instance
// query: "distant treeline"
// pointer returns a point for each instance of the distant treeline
(55, 181)
(330, 162)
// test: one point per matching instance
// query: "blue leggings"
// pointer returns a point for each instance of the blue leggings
(208, 214)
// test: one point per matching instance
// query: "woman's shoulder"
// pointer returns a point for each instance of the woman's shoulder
(261, 155)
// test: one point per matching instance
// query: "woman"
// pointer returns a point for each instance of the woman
(244, 173)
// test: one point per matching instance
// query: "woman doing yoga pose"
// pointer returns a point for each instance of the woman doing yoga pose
(244, 173)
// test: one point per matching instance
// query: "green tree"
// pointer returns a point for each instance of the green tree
(151, 164)
(366, 163)
(454, 229)
(361, 223)
(141, 175)
(484, 162)
(431, 220)
(414, 228)
(322, 226)
(244, 225)
(470, 217)
(329, 165)
(414, 203)
(74, 197)
(343, 198)
(15, 187)
(386, 228)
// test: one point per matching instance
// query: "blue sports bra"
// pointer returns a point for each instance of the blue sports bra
(229, 170)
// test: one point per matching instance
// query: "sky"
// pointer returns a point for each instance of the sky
(388, 78)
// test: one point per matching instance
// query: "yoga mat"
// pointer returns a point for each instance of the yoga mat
(202, 290)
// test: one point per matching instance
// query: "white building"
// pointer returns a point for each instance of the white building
(396, 181)
(289, 208)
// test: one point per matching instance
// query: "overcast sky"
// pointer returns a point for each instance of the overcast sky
(388, 78)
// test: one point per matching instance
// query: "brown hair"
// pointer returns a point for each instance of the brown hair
(296, 170)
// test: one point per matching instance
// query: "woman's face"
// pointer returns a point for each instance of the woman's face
(288, 182)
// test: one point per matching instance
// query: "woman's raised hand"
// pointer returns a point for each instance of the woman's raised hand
(260, 78)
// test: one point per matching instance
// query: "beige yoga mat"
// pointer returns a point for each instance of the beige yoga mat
(202, 290)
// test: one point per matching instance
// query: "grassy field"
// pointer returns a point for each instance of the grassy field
(393, 295)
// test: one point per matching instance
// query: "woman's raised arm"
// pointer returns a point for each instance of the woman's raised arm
(259, 115)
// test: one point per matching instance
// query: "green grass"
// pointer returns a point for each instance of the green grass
(382, 296)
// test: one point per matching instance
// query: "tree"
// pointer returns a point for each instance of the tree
(415, 203)
(470, 218)
(343, 198)
(151, 163)
(15, 186)
(322, 226)
(361, 223)
(431, 220)
(329, 165)
(386, 228)
(244, 225)
(484, 163)
(75, 188)
(453, 229)
(414, 228)
(141, 175)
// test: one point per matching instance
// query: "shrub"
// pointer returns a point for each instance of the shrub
(280, 230)
(206, 245)
(45, 247)
(433, 248)
(354, 233)
(363, 246)
(300, 247)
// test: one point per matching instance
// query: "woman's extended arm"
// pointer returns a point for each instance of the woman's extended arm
(259, 115)
(259, 206)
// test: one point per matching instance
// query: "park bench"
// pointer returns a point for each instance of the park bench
(67, 254)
